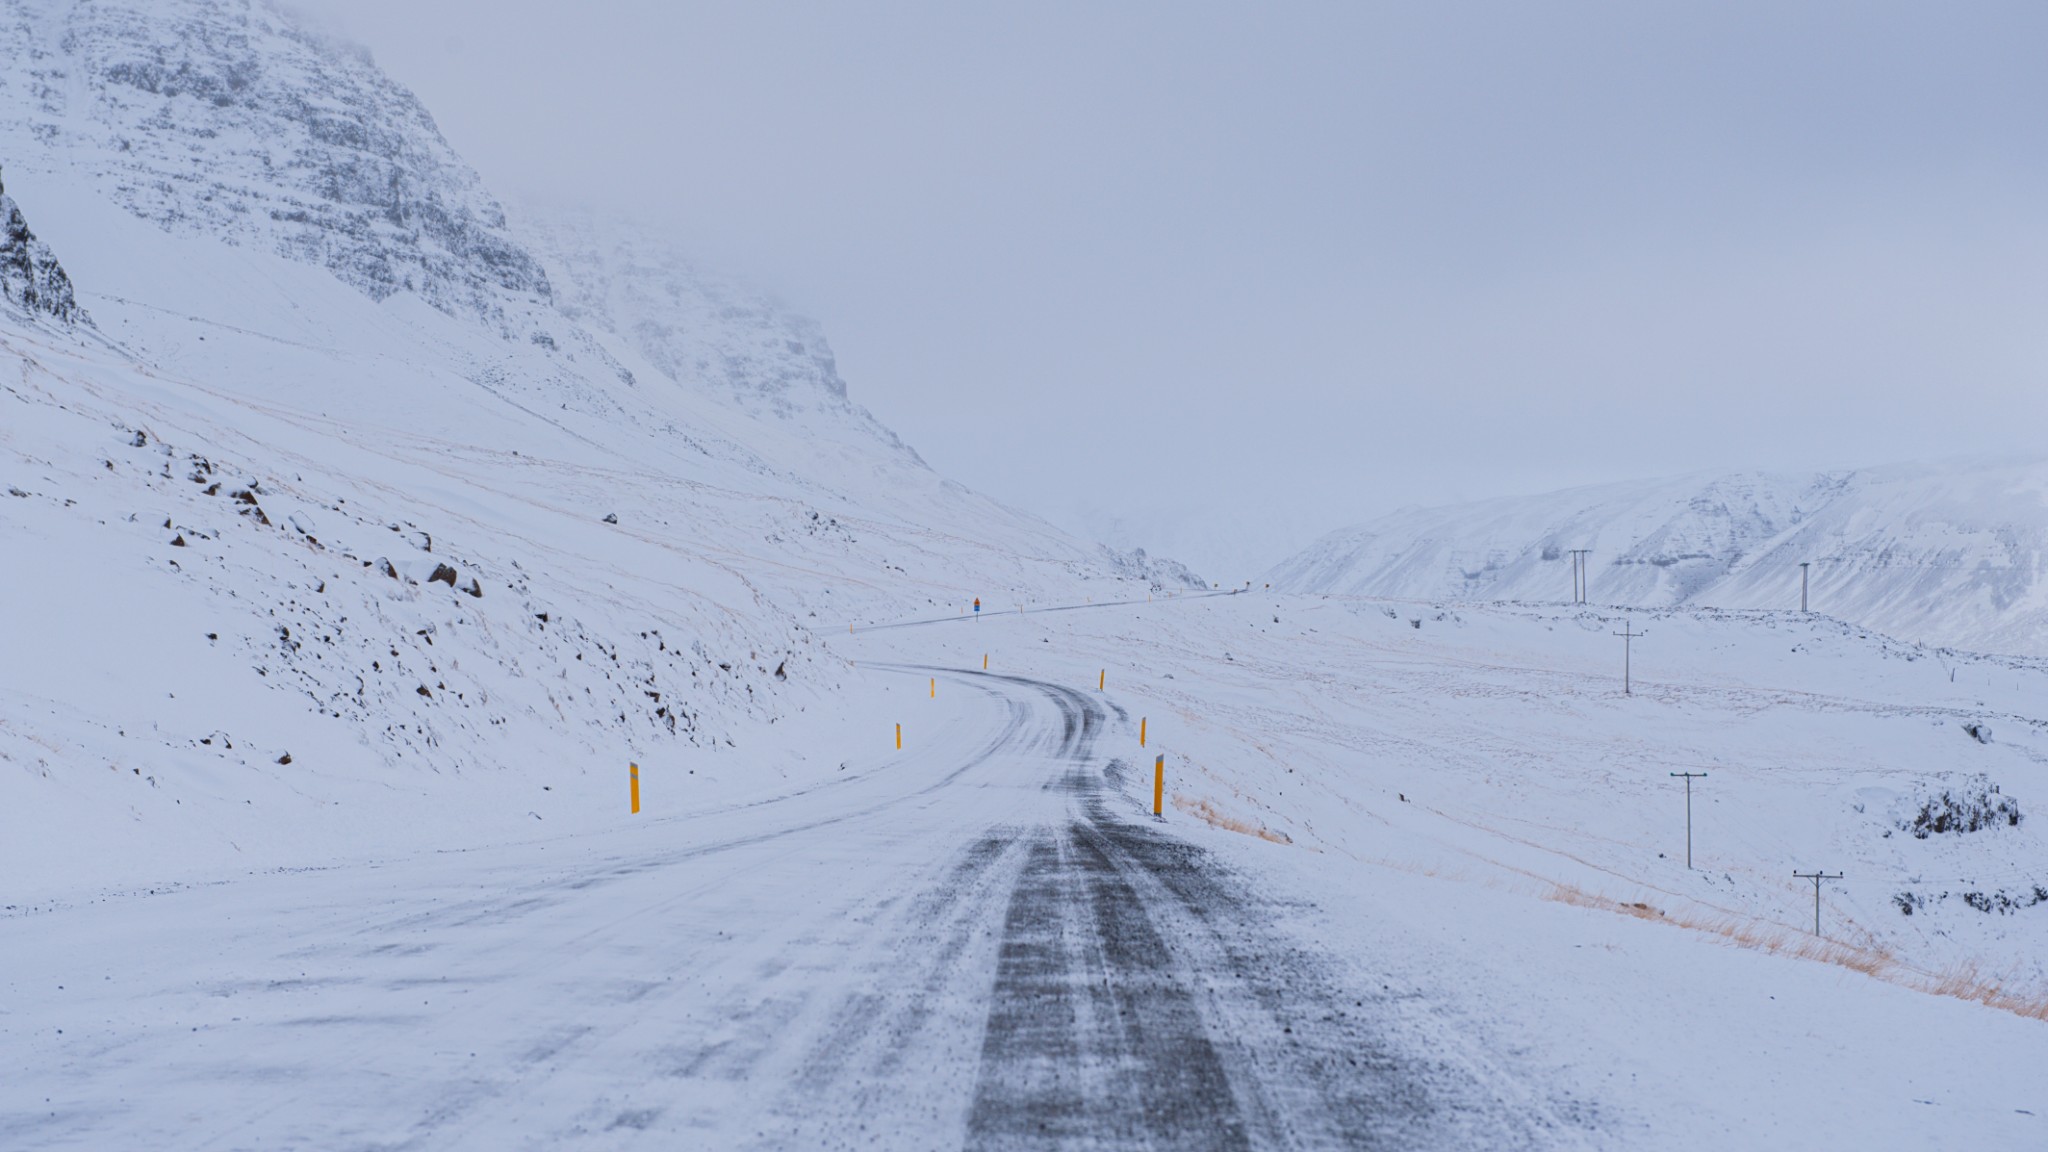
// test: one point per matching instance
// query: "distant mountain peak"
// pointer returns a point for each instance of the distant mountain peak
(1950, 553)
(226, 118)
(30, 277)
(694, 326)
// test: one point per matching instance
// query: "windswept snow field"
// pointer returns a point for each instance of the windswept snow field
(1415, 888)
(357, 538)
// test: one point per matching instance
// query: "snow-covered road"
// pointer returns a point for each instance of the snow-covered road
(971, 943)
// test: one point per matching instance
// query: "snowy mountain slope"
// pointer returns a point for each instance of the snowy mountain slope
(300, 576)
(223, 118)
(695, 328)
(656, 308)
(297, 492)
(1947, 554)
(250, 528)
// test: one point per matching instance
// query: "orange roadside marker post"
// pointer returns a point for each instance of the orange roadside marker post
(1159, 785)
(984, 661)
(635, 769)
(935, 687)
(1101, 678)
(1141, 731)
(899, 737)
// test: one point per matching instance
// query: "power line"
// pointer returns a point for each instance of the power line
(1628, 636)
(1689, 778)
(1817, 877)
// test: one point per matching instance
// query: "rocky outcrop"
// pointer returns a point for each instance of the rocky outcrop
(1158, 571)
(30, 277)
(226, 118)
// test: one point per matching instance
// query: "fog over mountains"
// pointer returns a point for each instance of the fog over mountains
(1946, 554)
(350, 476)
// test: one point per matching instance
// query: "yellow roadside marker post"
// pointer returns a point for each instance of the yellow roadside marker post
(635, 768)
(1141, 731)
(1101, 679)
(935, 687)
(984, 661)
(899, 737)
(1159, 785)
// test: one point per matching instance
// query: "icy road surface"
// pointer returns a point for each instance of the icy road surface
(974, 943)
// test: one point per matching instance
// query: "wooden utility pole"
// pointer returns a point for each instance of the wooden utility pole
(1817, 877)
(1689, 778)
(1628, 636)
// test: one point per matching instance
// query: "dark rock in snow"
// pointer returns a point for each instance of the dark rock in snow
(1972, 805)
(444, 574)
(30, 276)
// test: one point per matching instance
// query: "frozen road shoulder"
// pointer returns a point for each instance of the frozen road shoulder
(982, 946)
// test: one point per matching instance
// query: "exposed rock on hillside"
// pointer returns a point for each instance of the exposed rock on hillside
(224, 118)
(30, 277)
(1160, 572)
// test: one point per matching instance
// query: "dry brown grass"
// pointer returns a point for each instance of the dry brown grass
(1964, 982)
(1745, 932)
(1207, 811)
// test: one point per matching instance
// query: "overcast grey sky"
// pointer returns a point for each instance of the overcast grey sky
(1215, 278)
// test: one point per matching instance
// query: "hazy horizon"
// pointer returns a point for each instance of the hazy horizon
(1215, 280)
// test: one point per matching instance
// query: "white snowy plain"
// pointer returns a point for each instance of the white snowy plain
(207, 948)
(1421, 797)
(303, 847)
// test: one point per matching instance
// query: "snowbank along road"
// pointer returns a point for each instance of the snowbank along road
(980, 942)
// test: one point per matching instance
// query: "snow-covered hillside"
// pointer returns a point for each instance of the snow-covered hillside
(331, 514)
(1951, 554)
(224, 119)
(693, 327)
(356, 538)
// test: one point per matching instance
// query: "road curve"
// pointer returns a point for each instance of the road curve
(987, 945)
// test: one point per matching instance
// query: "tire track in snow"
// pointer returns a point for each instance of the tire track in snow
(1145, 997)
